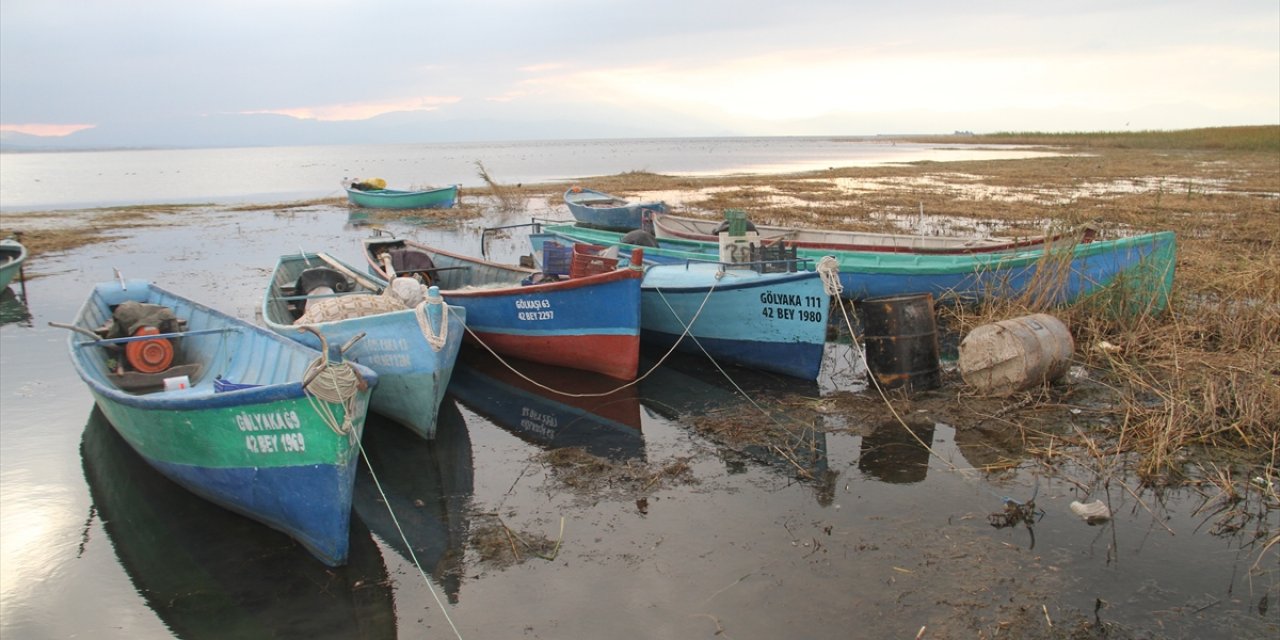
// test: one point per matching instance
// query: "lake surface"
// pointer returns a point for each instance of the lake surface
(272, 174)
(890, 539)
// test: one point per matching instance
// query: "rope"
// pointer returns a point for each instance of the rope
(829, 269)
(333, 383)
(413, 556)
(437, 341)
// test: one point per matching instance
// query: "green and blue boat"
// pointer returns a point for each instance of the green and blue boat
(243, 417)
(12, 255)
(440, 198)
(1132, 274)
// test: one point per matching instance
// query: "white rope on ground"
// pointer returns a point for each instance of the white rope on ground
(436, 340)
(413, 556)
(639, 378)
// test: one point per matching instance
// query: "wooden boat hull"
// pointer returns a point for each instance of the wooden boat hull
(1128, 275)
(767, 321)
(442, 198)
(665, 225)
(251, 580)
(262, 451)
(12, 255)
(590, 323)
(413, 373)
(605, 211)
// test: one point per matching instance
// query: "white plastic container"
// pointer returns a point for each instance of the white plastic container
(177, 383)
(1012, 355)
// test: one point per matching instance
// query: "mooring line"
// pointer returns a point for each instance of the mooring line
(417, 565)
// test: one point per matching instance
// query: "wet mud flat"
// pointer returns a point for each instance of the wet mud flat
(698, 503)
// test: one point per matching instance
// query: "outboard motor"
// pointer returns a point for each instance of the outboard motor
(131, 319)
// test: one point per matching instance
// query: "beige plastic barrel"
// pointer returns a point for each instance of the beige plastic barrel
(1011, 355)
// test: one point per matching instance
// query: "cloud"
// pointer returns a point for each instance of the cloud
(360, 110)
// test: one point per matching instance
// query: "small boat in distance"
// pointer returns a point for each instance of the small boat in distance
(411, 341)
(12, 255)
(665, 225)
(590, 322)
(247, 419)
(604, 211)
(373, 194)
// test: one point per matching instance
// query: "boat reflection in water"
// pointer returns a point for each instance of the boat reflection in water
(606, 426)
(428, 484)
(210, 573)
(892, 454)
(685, 388)
(13, 309)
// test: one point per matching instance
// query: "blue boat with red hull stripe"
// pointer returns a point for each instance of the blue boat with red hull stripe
(590, 322)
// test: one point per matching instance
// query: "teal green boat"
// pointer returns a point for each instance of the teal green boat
(360, 195)
(1132, 274)
(245, 418)
(12, 255)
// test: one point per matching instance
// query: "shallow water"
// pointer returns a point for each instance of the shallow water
(30, 181)
(890, 540)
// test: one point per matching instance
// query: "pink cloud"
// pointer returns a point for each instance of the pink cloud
(48, 130)
(362, 110)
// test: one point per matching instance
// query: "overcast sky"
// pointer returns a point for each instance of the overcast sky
(685, 66)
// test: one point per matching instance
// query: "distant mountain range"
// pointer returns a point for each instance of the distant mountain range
(261, 130)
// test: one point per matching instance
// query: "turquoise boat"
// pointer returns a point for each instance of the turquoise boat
(411, 343)
(12, 255)
(1131, 274)
(771, 321)
(441, 198)
(236, 414)
(605, 211)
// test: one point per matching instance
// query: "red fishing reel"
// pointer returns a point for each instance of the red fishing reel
(149, 356)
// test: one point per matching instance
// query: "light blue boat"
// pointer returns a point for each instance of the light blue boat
(735, 315)
(413, 349)
(605, 211)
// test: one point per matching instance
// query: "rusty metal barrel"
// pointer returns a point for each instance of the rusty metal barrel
(901, 337)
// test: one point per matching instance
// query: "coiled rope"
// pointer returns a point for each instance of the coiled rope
(328, 383)
(436, 340)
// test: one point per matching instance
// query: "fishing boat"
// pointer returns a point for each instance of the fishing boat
(605, 211)
(364, 194)
(208, 573)
(665, 225)
(750, 315)
(12, 255)
(411, 340)
(236, 414)
(552, 407)
(1129, 275)
(589, 322)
